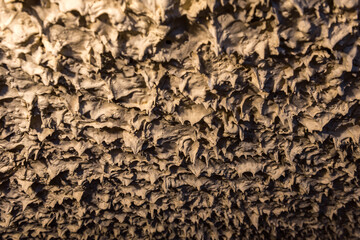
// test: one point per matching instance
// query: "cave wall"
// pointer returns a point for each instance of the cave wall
(179, 119)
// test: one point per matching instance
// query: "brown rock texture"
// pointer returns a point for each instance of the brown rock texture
(179, 119)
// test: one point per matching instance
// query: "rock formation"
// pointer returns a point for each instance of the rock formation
(179, 119)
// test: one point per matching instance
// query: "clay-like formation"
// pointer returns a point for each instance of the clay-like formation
(175, 119)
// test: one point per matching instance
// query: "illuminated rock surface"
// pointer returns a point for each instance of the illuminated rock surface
(179, 119)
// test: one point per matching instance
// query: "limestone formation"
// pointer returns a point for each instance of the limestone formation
(179, 119)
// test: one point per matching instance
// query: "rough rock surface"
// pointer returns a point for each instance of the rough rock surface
(174, 119)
